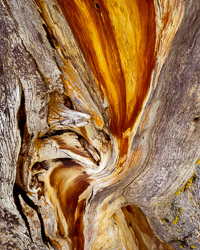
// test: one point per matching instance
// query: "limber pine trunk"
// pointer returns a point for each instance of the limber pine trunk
(100, 124)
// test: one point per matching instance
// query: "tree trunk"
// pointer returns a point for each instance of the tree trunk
(99, 124)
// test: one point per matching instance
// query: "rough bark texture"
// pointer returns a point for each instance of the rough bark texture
(99, 124)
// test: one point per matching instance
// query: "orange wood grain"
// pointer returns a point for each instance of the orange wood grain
(118, 43)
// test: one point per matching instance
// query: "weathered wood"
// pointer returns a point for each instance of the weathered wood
(100, 111)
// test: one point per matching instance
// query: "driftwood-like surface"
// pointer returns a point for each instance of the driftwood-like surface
(99, 124)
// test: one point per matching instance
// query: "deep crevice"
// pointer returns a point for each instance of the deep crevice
(50, 36)
(24, 135)
(18, 188)
(62, 159)
(18, 191)
(53, 133)
(196, 119)
(22, 115)
(97, 6)
(68, 102)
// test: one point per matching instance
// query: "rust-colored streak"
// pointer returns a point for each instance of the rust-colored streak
(118, 42)
(69, 181)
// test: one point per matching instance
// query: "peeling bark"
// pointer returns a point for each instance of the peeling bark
(99, 121)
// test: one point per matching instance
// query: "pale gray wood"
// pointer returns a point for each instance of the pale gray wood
(13, 230)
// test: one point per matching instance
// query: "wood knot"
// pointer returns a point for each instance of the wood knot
(196, 119)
